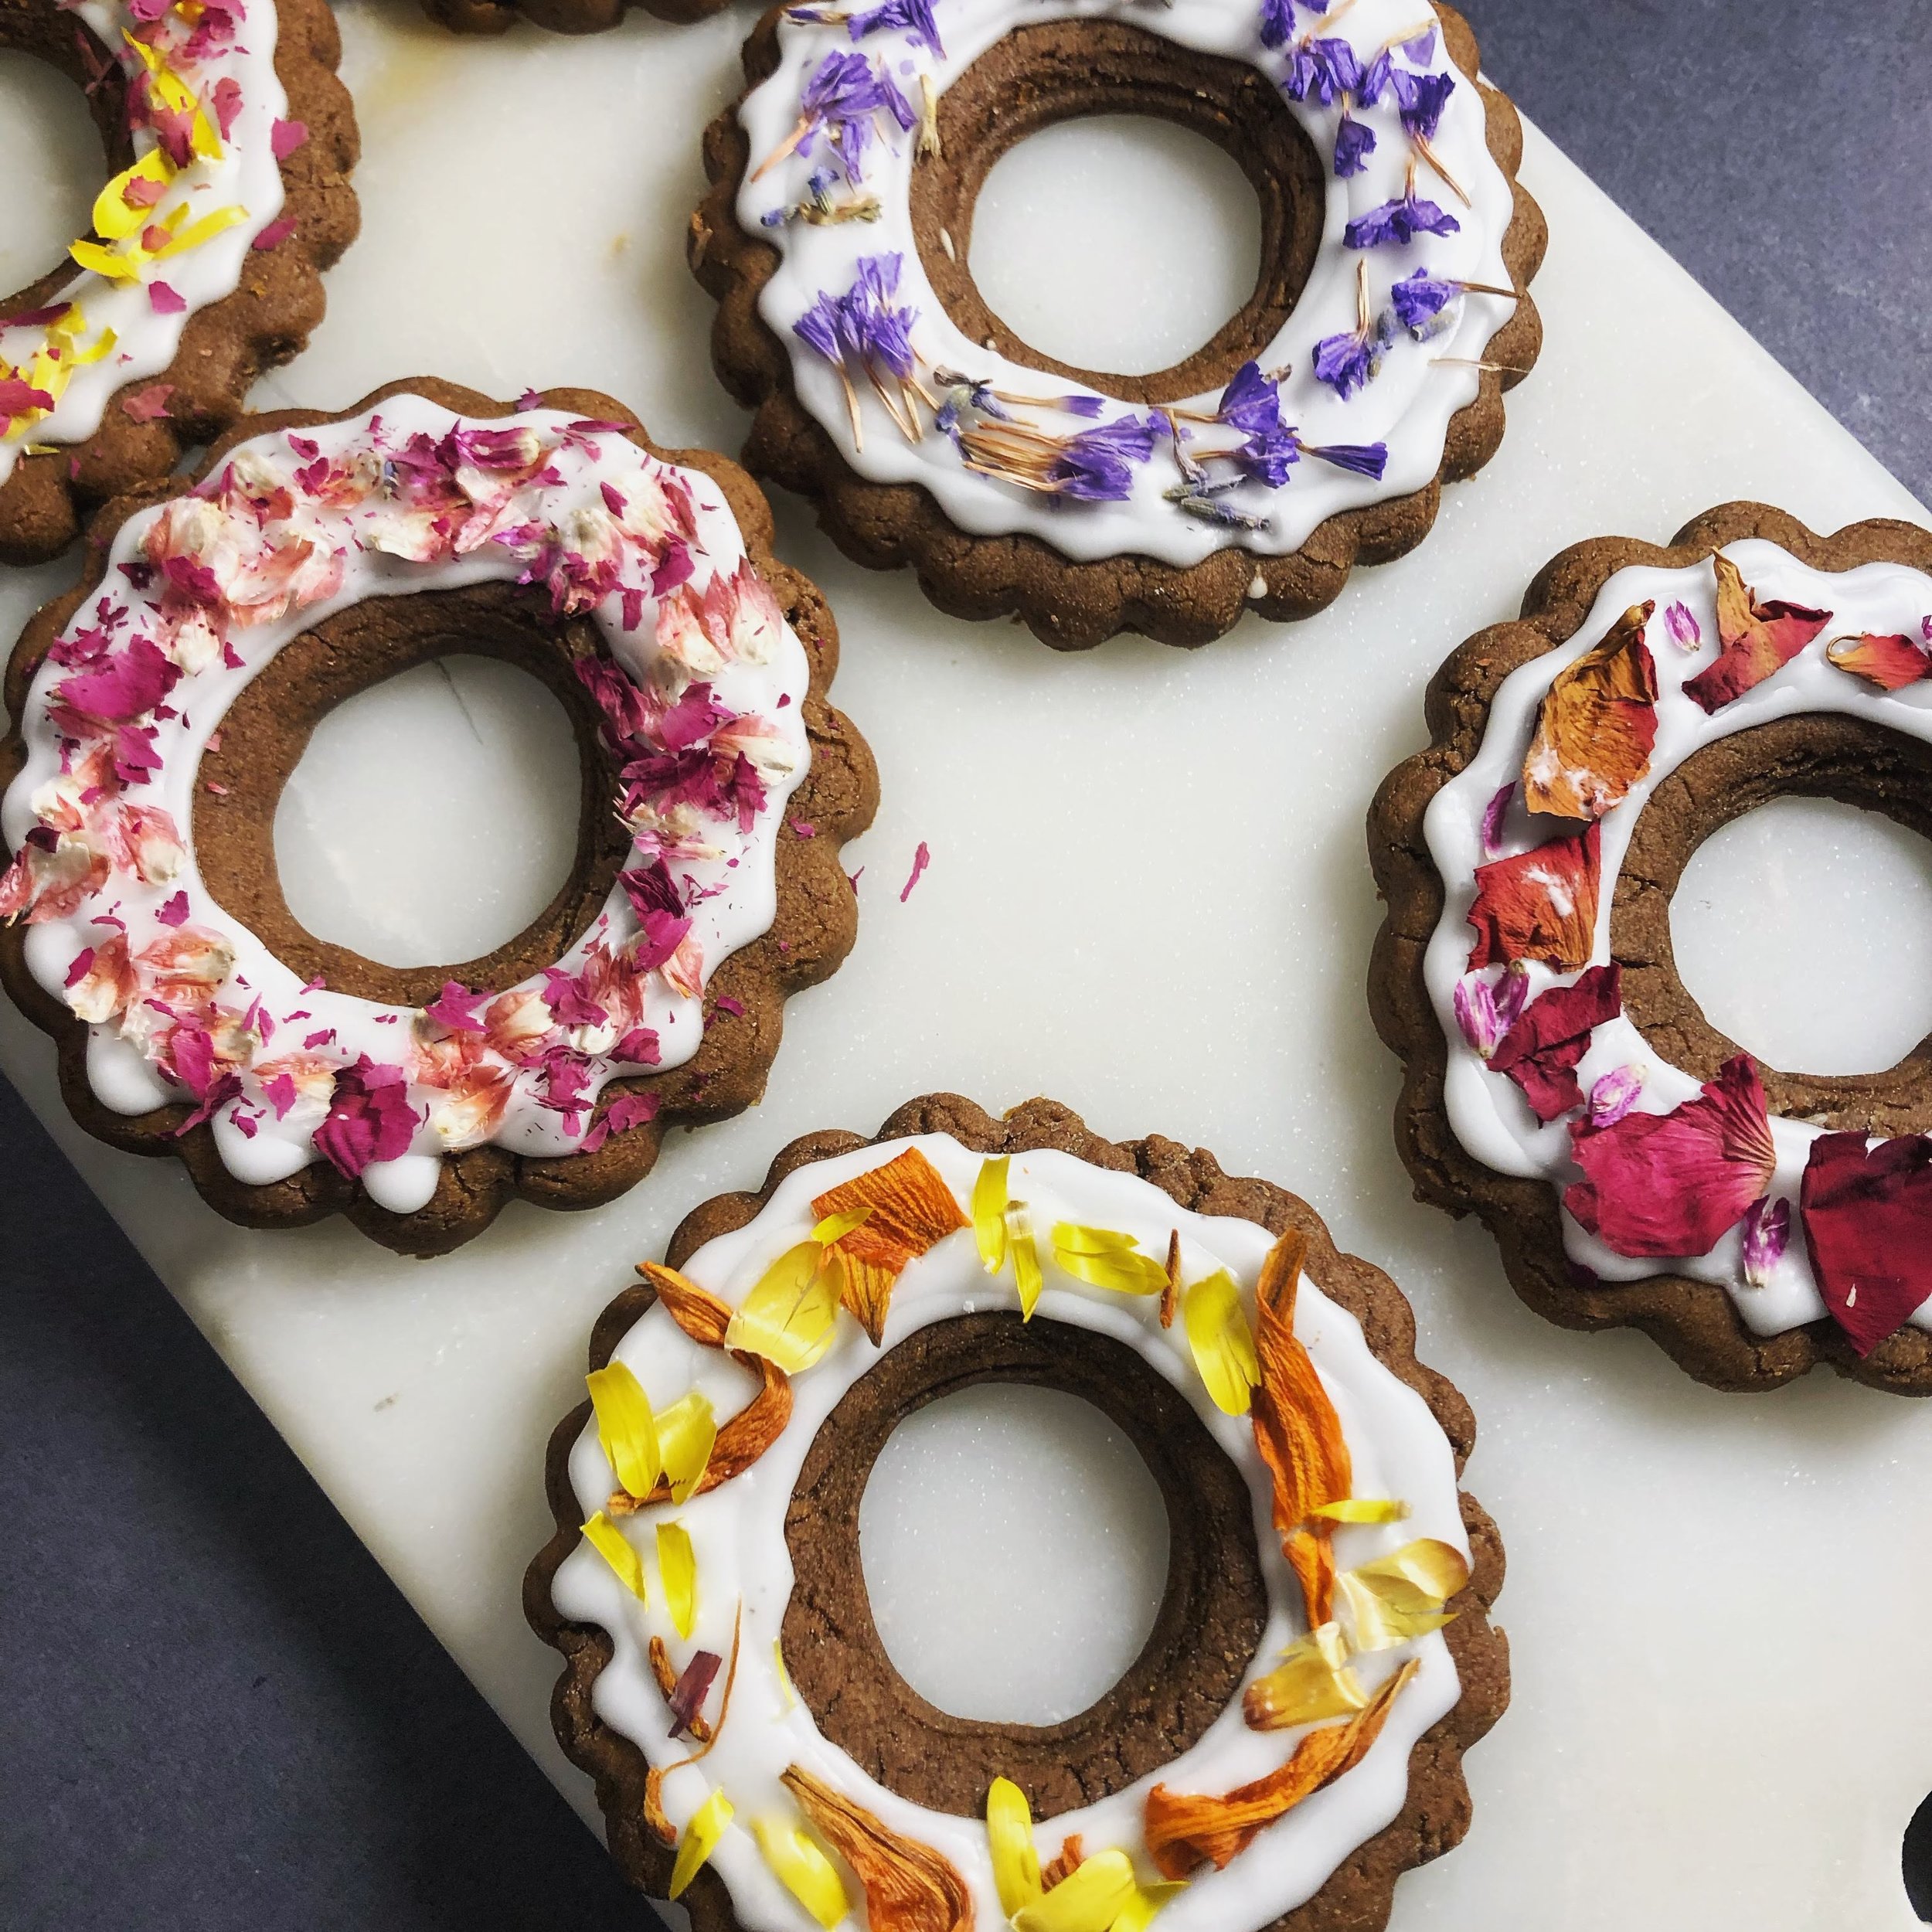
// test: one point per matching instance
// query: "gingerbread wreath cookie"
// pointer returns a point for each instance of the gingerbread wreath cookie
(231, 142)
(559, 16)
(1313, 432)
(1637, 1168)
(1324, 1629)
(164, 703)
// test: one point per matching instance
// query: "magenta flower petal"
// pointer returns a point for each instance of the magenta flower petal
(1767, 1232)
(369, 1117)
(1867, 1214)
(1674, 1184)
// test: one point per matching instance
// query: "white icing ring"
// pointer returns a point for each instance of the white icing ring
(1488, 1115)
(585, 511)
(1407, 407)
(738, 1533)
(112, 332)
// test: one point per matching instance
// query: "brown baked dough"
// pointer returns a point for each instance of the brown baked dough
(226, 345)
(838, 1665)
(263, 739)
(1037, 76)
(559, 16)
(1809, 756)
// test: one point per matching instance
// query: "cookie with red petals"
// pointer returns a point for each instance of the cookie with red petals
(1638, 1168)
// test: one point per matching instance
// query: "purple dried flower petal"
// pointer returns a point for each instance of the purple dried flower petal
(1492, 818)
(1682, 627)
(1096, 465)
(1420, 98)
(1421, 49)
(1399, 221)
(1613, 1096)
(1323, 71)
(915, 17)
(1250, 403)
(687, 1694)
(1767, 1231)
(1485, 1010)
(1355, 142)
(1420, 298)
(1359, 459)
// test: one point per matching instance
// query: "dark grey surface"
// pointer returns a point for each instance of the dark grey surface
(215, 1710)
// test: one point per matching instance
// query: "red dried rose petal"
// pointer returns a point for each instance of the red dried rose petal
(1541, 904)
(1868, 1223)
(1673, 1184)
(1541, 1051)
(1758, 639)
(1891, 663)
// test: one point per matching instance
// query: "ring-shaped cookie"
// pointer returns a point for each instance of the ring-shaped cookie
(1313, 432)
(559, 16)
(1636, 1167)
(163, 704)
(754, 1749)
(230, 142)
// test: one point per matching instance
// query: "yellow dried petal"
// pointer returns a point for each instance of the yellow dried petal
(626, 1427)
(699, 1840)
(804, 1871)
(614, 1547)
(1088, 1900)
(990, 1200)
(98, 350)
(686, 1432)
(1027, 1277)
(908, 1886)
(677, 1571)
(784, 1676)
(1312, 1681)
(836, 1227)
(1403, 1595)
(114, 219)
(1222, 1342)
(789, 1317)
(105, 261)
(1009, 1835)
(1381, 1509)
(209, 225)
(1140, 1910)
(1103, 1259)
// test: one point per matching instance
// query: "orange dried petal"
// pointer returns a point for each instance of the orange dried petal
(911, 1209)
(696, 1310)
(1296, 1429)
(1171, 1295)
(1758, 639)
(1070, 1857)
(1597, 726)
(1890, 662)
(1185, 1831)
(908, 1886)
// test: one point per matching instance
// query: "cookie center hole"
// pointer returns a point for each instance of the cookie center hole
(51, 163)
(1015, 1550)
(433, 816)
(1116, 242)
(1804, 928)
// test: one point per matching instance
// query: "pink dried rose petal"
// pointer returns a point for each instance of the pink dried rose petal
(1758, 639)
(1493, 814)
(626, 1111)
(1674, 1184)
(164, 301)
(1890, 662)
(1867, 1215)
(148, 405)
(1767, 1232)
(369, 1117)
(1540, 904)
(456, 1007)
(277, 232)
(18, 396)
(1541, 1051)
(174, 912)
(518, 1026)
(921, 859)
(285, 137)
(1682, 628)
(125, 685)
(687, 1694)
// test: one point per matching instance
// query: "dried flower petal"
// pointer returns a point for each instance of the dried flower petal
(1597, 726)
(804, 1870)
(1493, 814)
(1757, 638)
(1673, 1184)
(687, 1433)
(908, 1886)
(1866, 1211)
(1682, 628)
(1009, 1837)
(1089, 1899)
(912, 1209)
(677, 1571)
(1540, 904)
(1103, 1259)
(1401, 1595)
(1185, 1831)
(1542, 1051)
(790, 1315)
(1140, 1911)
(1375, 1509)
(1297, 1430)
(614, 1547)
(1614, 1095)
(686, 1696)
(1890, 662)
(699, 1313)
(1313, 1680)
(1223, 1343)
(990, 1201)
(699, 1841)
(1485, 1010)
(1767, 1233)
(1027, 1275)
(626, 1427)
